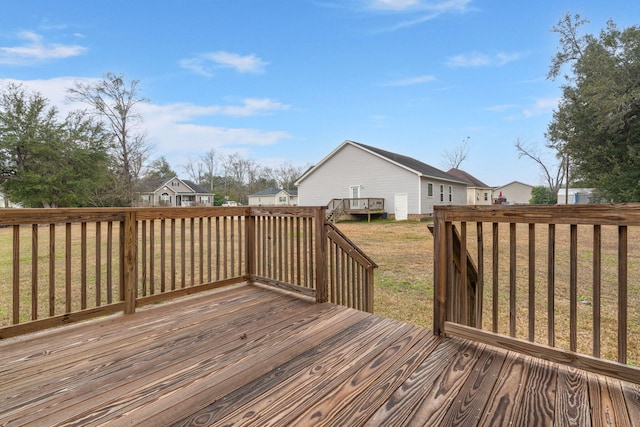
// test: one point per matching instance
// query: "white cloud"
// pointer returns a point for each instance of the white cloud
(419, 10)
(394, 4)
(502, 107)
(242, 64)
(424, 5)
(477, 59)
(35, 49)
(411, 81)
(197, 65)
(180, 112)
(205, 63)
(180, 130)
(541, 106)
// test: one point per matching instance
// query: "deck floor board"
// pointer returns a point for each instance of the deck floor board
(251, 355)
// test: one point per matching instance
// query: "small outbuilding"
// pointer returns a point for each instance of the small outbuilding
(576, 196)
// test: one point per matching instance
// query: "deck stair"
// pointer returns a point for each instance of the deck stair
(335, 211)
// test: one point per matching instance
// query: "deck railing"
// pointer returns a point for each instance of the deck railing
(557, 282)
(58, 266)
(364, 204)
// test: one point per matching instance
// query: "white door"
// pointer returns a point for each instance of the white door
(355, 195)
(401, 206)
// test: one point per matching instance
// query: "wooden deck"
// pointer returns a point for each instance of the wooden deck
(255, 356)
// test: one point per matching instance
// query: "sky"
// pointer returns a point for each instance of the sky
(287, 81)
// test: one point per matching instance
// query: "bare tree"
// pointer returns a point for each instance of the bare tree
(286, 174)
(453, 159)
(554, 175)
(114, 100)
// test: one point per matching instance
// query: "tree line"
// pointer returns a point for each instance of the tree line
(100, 156)
(229, 176)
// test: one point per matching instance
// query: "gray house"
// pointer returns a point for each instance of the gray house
(173, 191)
(274, 197)
(363, 174)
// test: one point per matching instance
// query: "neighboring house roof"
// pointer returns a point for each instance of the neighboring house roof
(149, 185)
(195, 187)
(515, 182)
(272, 191)
(406, 162)
(467, 177)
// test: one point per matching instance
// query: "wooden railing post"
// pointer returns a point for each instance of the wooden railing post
(440, 303)
(130, 262)
(250, 243)
(369, 289)
(322, 290)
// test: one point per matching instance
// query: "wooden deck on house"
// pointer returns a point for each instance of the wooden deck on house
(250, 355)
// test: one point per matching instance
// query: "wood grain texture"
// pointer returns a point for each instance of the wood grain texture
(251, 355)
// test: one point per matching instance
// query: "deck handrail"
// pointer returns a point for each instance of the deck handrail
(349, 268)
(59, 266)
(528, 299)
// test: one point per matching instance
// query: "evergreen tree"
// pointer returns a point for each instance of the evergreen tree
(56, 162)
(597, 123)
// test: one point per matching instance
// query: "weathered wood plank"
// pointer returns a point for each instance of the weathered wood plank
(502, 404)
(607, 402)
(139, 352)
(632, 399)
(537, 404)
(440, 393)
(247, 402)
(250, 355)
(468, 407)
(129, 375)
(337, 397)
(572, 398)
(403, 402)
(367, 402)
(140, 402)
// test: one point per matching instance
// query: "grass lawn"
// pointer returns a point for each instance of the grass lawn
(403, 251)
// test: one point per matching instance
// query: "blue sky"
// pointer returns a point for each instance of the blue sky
(289, 80)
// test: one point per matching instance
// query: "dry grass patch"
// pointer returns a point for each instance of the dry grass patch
(403, 251)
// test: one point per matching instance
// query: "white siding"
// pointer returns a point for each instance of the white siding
(353, 166)
(515, 192)
(458, 194)
(377, 177)
(476, 196)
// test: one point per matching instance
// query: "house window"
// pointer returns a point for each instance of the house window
(282, 199)
(204, 199)
(175, 184)
(486, 196)
(164, 197)
(430, 190)
(441, 193)
(450, 194)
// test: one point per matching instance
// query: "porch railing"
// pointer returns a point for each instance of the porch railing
(59, 266)
(556, 282)
(338, 207)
